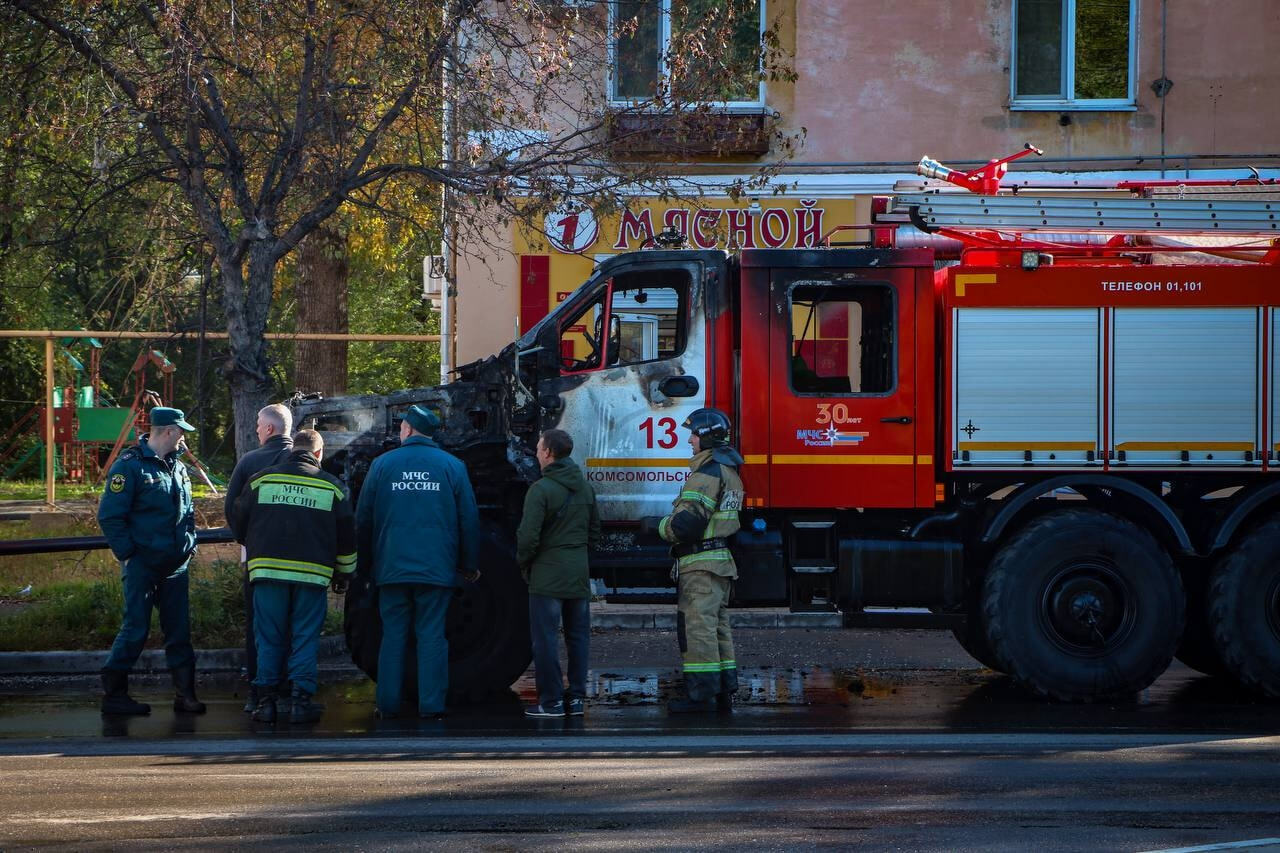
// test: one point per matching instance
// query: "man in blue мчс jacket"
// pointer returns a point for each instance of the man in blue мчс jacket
(417, 521)
(148, 519)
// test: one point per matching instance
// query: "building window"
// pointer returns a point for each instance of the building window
(681, 43)
(1073, 54)
(842, 338)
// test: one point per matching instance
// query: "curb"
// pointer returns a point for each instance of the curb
(151, 660)
(606, 618)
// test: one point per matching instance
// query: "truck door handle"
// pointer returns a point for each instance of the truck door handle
(901, 419)
(679, 386)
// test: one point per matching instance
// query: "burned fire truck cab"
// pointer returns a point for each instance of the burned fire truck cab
(1062, 449)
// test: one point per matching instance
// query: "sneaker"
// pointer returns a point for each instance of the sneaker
(577, 708)
(554, 710)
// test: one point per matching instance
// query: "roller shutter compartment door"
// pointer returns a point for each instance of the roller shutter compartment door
(1026, 386)
(1185, 388)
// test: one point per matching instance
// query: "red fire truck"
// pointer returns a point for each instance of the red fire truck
(1051, 427)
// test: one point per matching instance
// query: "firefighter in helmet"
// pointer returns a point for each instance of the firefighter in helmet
(702, 518)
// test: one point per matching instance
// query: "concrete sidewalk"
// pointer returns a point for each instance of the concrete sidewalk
(604, 617)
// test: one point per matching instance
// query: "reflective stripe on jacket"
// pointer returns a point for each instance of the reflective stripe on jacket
(707, 508)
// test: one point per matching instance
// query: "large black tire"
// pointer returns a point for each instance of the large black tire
(1244, 610)
(487, 627)
(1197, 648)
(1083, 606)
(973, 636)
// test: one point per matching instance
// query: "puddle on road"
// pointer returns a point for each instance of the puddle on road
(812, 697)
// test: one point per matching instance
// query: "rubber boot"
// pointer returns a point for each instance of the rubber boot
(115, 695)
(184, 686)
(251, 701)
(302, 709)
(266, 710)
(691, 706)
(724, 702)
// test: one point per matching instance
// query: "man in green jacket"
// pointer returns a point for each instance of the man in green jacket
(559, 524)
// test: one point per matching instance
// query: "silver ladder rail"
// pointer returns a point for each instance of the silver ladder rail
(1021, 213)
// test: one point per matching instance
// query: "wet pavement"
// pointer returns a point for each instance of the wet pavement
(886, 740)
(903, 694)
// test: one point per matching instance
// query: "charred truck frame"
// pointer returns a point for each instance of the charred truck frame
(1062, 444)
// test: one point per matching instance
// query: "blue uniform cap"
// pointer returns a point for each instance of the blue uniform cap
(165, 416)
(423, 420)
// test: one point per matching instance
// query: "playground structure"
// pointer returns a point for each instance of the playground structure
(89, 431)
(81, 429)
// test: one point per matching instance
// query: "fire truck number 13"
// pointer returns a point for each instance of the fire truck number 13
(667, 437)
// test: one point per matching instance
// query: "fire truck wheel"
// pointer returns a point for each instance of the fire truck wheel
(1081, 606)
(973, 636)
(1244, 610)
(1197, 649)
(487, 626)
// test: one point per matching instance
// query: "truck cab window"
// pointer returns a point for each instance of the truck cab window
(580, 336)
(647, 322)
(842, 338)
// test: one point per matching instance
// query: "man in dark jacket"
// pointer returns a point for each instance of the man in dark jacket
(299, 531)
(559, 523)
(148, 519)
(418, 526)
(274, 422)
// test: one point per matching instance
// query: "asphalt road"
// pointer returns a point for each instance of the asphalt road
(883, 741)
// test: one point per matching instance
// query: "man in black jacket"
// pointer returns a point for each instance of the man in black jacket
(274, 422)
(298, 527)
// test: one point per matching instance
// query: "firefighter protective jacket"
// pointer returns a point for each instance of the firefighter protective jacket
(146, 511)
(296, 523)
(705, 514)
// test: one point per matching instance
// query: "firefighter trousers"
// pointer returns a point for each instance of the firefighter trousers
(706, 640)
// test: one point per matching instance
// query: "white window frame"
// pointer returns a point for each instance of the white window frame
(664, 71)
(1067, 100)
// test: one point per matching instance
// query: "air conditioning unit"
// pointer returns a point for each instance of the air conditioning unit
(433, 285)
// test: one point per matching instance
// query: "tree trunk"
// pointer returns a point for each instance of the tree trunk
(321, 292)
(246, 302)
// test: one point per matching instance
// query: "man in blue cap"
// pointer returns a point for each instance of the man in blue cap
(148, 519)
(417, 522)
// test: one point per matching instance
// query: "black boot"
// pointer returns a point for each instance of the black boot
(691, 706)
(184, 686)
(266, 710)
(302, 709)
(724, 702)
(115, 695)
(251, 701)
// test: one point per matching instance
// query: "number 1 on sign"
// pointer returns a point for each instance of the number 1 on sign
(667, 437)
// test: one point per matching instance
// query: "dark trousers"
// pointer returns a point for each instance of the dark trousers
(418, 609)
(167, 592)
(545, 614)
(250, 643)
(288, 620)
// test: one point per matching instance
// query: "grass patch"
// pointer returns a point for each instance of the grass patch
(73, 600)
(33, 490)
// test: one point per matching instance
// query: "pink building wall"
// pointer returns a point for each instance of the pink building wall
(887, 82)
